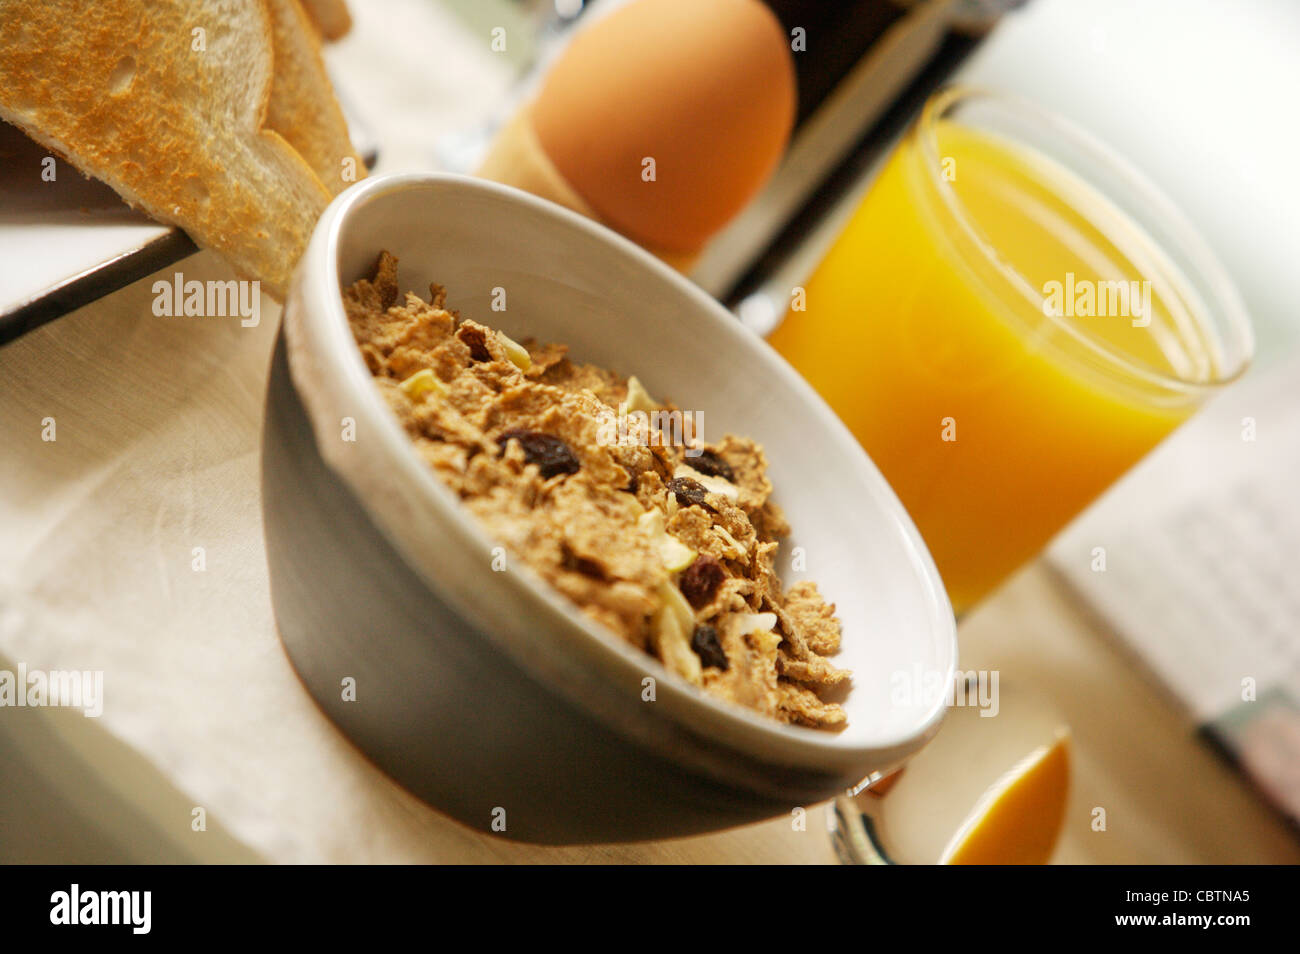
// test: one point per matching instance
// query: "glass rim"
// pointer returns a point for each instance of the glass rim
(1227, 320)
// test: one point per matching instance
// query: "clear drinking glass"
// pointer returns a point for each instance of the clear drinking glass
(1011, 318)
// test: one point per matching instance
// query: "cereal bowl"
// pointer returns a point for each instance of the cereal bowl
(469, 680)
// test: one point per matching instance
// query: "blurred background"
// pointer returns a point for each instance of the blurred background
(1195, 93)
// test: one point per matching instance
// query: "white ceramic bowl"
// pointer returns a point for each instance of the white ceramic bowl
(487, 693)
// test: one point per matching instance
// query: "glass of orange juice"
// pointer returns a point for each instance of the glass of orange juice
(1011, 318)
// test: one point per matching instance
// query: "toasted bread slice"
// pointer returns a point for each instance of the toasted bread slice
(330, 17)
(302, 107)
(165, 101)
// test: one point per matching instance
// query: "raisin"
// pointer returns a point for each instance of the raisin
(583, 565)
(704, 640)
(551, 455)
(476, 338)
(711, 464)
(688, 492)
(701, 580)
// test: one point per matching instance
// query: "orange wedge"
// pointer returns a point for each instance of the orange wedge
(1018, 819)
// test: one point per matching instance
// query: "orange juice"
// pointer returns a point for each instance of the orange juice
(969, 327)
(1019, 819)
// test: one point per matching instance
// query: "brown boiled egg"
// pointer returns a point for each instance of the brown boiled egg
(667, 116)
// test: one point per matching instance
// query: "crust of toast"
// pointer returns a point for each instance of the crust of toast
(302, 107)
(330, 17)
(128, 94)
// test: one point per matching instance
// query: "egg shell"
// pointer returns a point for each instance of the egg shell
(704, 88)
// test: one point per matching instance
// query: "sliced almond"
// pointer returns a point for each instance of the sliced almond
(734, 550)
(423, 383)
(676, 555)
(673, 623)
(516, 352)
(638, 398)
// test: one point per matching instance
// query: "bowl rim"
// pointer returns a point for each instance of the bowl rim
(323, 334)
